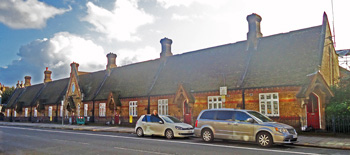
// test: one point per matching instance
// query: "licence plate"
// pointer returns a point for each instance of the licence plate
(294, 136)
(191, 131)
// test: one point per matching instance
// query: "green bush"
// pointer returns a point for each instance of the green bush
(340, 103)
(7, 94)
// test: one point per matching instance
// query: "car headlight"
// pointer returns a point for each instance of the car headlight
(178, 127)
(281, 130)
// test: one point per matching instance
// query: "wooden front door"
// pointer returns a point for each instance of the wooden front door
(187, 113)
(313, 115)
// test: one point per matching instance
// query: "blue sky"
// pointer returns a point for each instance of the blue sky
(53, 33)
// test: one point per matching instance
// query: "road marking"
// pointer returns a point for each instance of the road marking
(167, 141)
(143, 151)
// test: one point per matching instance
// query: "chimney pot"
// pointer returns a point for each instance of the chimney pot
(254, 32)
(74, 67)
(111, 63)
(27, 81)
(47, 75)
(166, 47)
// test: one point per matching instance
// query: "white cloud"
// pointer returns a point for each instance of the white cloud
(180, 17)
(127, 56)
(27, 14)
(187, 3)
(57, 53)
(121, 23)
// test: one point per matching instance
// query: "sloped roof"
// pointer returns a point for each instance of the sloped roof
(53, 91)
(30, 94)
(282, 59)
(90, 83)
(344, 73)
(285, 59)
(12, 101)
(130, 81)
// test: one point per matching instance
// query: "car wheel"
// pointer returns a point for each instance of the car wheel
(169, 134)
(207, 135)
(264, 139)
(139, 132)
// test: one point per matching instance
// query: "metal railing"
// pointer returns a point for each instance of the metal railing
(338, 124)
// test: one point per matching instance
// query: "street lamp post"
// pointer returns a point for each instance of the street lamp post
(62, 111)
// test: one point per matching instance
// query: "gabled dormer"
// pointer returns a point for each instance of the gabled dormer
(73, 95)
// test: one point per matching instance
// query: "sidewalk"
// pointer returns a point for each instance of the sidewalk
(304, 140)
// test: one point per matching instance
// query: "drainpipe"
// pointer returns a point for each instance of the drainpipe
(93, 111)
(56, 113)
(149, 105)
(243, 99)
(31, 109)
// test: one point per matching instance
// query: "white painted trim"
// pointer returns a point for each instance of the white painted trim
(217, 102)
(306, 114)
(102, 110)
(319, 109)
(133, 108)
(163, 106)
(271, 100)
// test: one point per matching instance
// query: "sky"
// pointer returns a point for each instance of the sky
(35, 34)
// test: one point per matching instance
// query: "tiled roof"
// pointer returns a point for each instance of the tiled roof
(29, 94)
(131, 80)
(53, 92)
(282, 59)
(90, 83)
(12, 101)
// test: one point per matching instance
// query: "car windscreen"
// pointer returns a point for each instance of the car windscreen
(260, 116)
(171, 119)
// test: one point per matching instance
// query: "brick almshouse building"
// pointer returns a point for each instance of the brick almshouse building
(282, 75)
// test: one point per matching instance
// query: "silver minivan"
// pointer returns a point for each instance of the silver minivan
(244, 125)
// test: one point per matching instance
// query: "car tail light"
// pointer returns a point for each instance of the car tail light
(196, 123)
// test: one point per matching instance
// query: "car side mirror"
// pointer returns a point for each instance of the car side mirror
(161, 122)
(250, 120)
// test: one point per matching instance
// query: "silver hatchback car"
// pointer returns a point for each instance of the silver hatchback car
(163, 125)
(244, 125)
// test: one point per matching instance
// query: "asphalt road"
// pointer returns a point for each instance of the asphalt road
(24, 140)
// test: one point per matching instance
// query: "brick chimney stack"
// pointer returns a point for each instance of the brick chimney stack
(74, 68)
(111, 57)
(27, 81)
(166, 47)
(254, 32)
(47, 74)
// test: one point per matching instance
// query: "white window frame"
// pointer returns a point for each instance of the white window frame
(50, 111)
(35, 112)
(133, 108)
(8, 112)
(86, 108)
(163, 107)
(102, 109)
(214, 102)
(61, 111)
(263, 104)
(25, 112)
